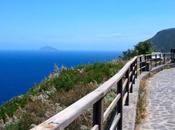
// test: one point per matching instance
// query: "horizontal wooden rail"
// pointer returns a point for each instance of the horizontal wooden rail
(111, 107)
(124, 84)
(115, 121)
(96, 127)
(124, 98)
(123, 81)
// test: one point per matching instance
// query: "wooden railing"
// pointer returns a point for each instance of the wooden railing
(123, 81)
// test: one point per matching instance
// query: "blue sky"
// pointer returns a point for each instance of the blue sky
(82, 24)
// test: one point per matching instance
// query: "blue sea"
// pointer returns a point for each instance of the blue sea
(20, 70)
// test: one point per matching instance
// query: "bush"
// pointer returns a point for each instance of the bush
(13, 126)
(100, 71)
(24, 123)
(10, 107)
(67, 79)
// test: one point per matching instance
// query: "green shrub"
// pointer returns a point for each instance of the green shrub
(13, 126)
(24, 123)
(67, 79)
(10, 107)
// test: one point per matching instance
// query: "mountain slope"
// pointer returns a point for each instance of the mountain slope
(164, 40)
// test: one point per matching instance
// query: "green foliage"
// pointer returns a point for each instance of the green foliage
(99, 72)
(10, 107)
(129, 53)
(13, 126)
(24, 123)
(139, 49)
(144, 48)
(67, 79)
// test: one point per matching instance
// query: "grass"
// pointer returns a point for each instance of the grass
(56, 92)
(141, 105)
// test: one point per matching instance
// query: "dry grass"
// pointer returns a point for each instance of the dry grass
(68, 97)
(141, 105)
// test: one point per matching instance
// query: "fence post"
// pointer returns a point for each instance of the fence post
(172, 55)
(120, 104)
(140, 64)
(136, 67)
(131, 78)
(164, 60)
(160, 59)
(148, 64)
(98, 114)
(151, 64)
(155, 60)
(145, 63)
(133, 73)
(127, 87)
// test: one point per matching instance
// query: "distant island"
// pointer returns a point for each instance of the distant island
(48, 49)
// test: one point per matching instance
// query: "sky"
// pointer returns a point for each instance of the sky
(82, 24)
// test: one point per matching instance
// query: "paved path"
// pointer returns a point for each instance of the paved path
(161, 102)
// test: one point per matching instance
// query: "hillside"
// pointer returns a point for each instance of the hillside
(164, 40)
(60, 89)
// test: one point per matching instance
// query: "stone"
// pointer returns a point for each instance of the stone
(161, 102)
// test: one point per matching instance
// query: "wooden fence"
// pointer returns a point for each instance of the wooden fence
(123, 81)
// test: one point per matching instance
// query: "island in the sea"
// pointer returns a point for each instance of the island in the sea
(48, 49)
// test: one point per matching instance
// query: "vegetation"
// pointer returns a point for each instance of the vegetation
(145, 47)
(141, 105)
(60, 89)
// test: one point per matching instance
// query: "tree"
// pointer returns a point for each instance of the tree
(141, 48)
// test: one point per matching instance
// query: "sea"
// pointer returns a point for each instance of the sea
(20, 70)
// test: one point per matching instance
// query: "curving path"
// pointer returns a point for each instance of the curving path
(161, 102)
